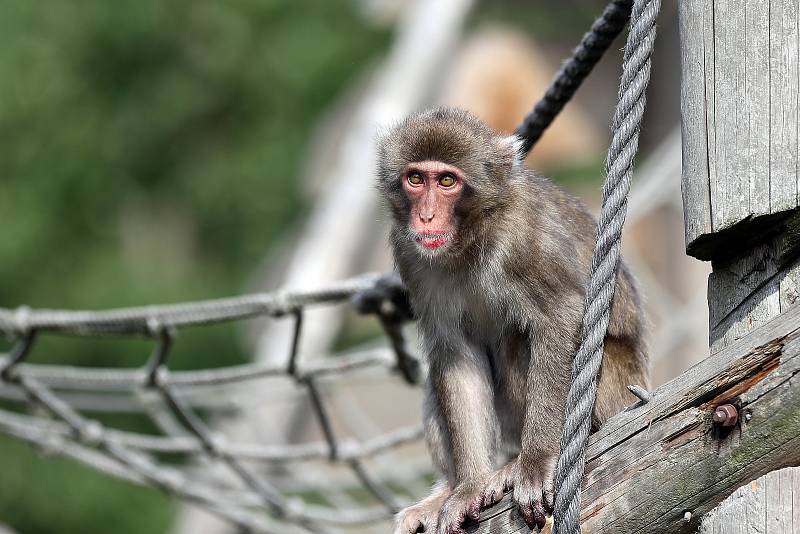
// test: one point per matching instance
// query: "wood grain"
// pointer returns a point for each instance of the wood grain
(740, 64)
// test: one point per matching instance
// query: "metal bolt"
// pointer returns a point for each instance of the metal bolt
(726, 415)
(687, 517)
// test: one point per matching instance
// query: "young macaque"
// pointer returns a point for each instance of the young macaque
(496, 260)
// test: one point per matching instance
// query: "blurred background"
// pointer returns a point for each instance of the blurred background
(161, 151)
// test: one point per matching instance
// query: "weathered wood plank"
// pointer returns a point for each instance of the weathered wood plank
(710, 101)
(747, 290)
(742, 294)
(730, 192)
(757, 107)
(651, 464)
(768, 505)
(692, 16)
(783, 98)
(740, 111)
(680, 463)
(743, 512)
(790, 286)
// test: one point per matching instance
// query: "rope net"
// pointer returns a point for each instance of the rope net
(237, 492)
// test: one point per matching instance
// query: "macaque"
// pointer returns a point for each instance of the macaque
(496, 260)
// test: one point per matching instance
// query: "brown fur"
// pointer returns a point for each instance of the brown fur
(500, 309)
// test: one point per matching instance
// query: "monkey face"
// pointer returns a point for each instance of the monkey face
(432, 189)
(445, 175)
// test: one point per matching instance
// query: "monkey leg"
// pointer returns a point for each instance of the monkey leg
(624, 363)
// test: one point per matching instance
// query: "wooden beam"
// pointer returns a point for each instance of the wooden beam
(650, 465)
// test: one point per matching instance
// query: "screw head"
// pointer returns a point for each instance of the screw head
(726, 415)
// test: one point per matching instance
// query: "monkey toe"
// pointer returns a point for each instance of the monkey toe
(497, 485)
(532, 501)
(457, 510)
(533, 514)
(549, 501)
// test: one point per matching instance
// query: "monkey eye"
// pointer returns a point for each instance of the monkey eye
(447, 180)
(415, 179)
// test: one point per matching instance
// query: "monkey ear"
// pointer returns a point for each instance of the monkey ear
(511, 149)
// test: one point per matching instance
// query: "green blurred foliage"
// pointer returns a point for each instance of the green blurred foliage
(149, 152)
(70, 499)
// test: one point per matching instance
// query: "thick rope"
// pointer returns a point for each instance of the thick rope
(585, 56)
(605, 259)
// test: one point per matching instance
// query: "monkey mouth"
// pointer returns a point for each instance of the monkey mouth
(432, 240)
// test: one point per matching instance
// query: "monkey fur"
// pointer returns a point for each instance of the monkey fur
(496, 259)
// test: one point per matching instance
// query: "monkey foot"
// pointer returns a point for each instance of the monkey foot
(498, 483)
(422, 516)
(463, 505)
(533, 488)
(532, 485)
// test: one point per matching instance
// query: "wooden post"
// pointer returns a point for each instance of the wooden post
(739, 113)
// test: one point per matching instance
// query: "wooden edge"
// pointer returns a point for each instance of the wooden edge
(726, 243)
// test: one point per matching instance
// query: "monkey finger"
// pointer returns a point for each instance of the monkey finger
(450, 522)
(493, 492)
(539, 515)
(455, 529)
(533, 514)
(473, 510)
(548, 496)
(549, 500)
(527, 514)
(489, 497)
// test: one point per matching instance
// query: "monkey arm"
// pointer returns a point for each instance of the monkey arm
(460, 407)
(531, 474)
(461, 429)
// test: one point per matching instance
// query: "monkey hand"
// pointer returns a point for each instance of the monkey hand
(500, 482)
(422, 516)
(464, 503)
(531, 476)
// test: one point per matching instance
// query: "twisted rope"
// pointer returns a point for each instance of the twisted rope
(605, 259)
(148, 320)
(585, 56)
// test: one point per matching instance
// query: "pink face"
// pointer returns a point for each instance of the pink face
(433, 188)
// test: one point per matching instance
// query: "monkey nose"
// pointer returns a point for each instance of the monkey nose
(426, 217)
